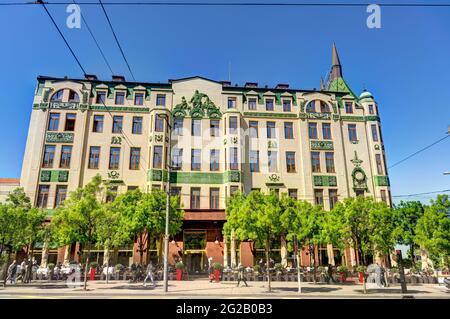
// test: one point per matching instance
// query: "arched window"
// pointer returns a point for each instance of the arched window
(73, 96)
(57, 97)
(317, 106)
(311, 107)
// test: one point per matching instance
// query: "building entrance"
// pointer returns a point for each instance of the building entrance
(194, 250)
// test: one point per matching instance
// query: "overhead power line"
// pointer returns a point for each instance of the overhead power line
(239, 4)
(419, 151)
(427, 193)
(117, 41)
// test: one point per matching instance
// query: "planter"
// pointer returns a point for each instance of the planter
(361, 277)
(179, 274)
(217, 275)
(342, 277)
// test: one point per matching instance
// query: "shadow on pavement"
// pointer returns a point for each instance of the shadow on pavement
(307, 289)
(390, 291)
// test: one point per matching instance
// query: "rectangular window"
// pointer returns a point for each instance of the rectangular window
(315, 162)
(117, 124)
(231, 102)
(290, 162)
(254, 161)
(196, 127)
(234, 189)
(132, 188)
(101, 97)
(312, 130)
(195, 198)
(135, 155)
(157, 156)
(137, 125)
(178, 127)
(114, 157)
(371, 109)
(269, 104)
(234, 164)
(53, 122)
(70, 122)
(318, 196)
(271, 130)
(120, 98)
(73, 96)
(94, 156)
(288, 130)
(374, 132)
(292, 193)
(252, 104)
(332, 197)
(159, 123)
(61, 194)
(195, 159)
(273, 165)
(214, 160)
(352, 133)
(233, 124)
(66, 155)
(214, 127)
(286, 105)
(253, 128)
(42, 197)
(177, 158)
(49, 156)
(379, 164)
(348, 107)
(214, 198)
(175, 191)
(383, 195)
(326, 131)
(329, 160)
(139, 99)
(97, 126)
(160, 100)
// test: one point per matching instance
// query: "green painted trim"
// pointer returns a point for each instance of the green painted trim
(270, 114)
(204, 177)
(51, 176)
(352, 118)
(381, 180)
(324, 180)
(372, 118)
(136, 109)
(54, 137)
(157, 175)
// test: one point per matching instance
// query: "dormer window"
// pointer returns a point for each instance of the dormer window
(58, 96)
(101, 97)
(120, 98)
(138, 98)
(349, 107)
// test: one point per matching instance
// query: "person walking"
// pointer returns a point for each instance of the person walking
(149, 275)
(330, 274)
(241, 275)
(12, 272)
(23, 270)
(210, 269)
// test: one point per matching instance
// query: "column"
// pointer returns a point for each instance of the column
(225, 251)
(283, 251)
(330, 254)
(67, 255)
(44, 258)
(106, 255)
(352, 257)
(233, 249)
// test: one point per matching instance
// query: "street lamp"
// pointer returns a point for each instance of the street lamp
(166, 234)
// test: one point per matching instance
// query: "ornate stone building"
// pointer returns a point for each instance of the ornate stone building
(317, 145)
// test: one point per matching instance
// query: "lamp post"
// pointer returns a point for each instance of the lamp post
(166, 234)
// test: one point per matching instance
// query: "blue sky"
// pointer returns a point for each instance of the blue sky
(405, 64)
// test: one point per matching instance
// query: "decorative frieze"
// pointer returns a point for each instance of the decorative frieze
(322, 145)
(270, 115)
(203, 177)
(54, 137)
(64, 105)
(381, 180)
(116, 140)
(54, 176)
(113, 174)
(324, 180)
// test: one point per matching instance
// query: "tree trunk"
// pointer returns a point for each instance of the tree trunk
(5, 275)
(268, 264)
(283, 251)
(44, 258)
(413, 259)
(86, 268)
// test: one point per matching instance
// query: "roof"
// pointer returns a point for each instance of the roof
(13, 181)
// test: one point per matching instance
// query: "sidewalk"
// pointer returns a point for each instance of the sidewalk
(202, 288)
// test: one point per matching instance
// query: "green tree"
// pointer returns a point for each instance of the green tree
(34, 231)
(18, 198)
(433, 230)
(382, 224)
(78, 219)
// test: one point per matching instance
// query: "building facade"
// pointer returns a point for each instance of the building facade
(316, 145)
(7, 185)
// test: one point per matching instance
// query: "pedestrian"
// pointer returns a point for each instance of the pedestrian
(330, 274)
(382, 278)
(28, 271)
(23, 269)
(12, 271)
(241, 275)
(149, 275)
(210, 269)
(56, 271)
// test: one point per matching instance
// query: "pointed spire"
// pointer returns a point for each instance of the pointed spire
(336, 68)
(322, 84)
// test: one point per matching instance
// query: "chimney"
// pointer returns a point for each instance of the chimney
(251, 84)
(118, 78)
(91, 77)
(282, 86)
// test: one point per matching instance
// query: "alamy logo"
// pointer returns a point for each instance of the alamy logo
(74, 19)
(374, 19)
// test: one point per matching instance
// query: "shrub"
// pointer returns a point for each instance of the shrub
(342, 269)
(321, 269)
(279, 267)
(51, 266)
(361, 268)
(217, 266)
(179, 265)
(119, 267)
